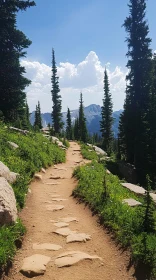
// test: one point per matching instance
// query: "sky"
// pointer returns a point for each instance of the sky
(87, 36)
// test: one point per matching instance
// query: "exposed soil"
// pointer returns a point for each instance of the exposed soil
(39, 222)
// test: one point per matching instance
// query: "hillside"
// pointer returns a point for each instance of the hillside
(93, 117)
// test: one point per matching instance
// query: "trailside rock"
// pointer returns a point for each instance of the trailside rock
(73, 257)
(8, 210)
(43, 170)
(47, 246)
(134, 188)
(11, 177)
(78, 237)
(34, 265)
(13, 145)
(99, 151)
(64, 231)
(38, 176)
(132, 202)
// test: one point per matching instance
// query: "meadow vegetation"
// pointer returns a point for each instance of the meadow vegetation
(104, 194)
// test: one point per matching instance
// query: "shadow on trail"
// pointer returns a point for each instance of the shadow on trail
(142, 272)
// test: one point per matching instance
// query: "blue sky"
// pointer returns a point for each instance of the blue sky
(75, 28)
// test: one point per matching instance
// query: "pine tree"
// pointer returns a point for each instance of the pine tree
(134, 125)
(106, 113)
(149, 223)
(56, 98)
(69, 126)
(38, 118)
(25, 118)
(82, 122)
(76, 129)
(12, 45)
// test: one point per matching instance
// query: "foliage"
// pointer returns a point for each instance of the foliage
(106, 114)
(12, 45)
(34, 152)
(56, 98)
(135, 121)
(69, 126)
(88, 152)
(9, 236)
(83, 135)
(104, 194)
(38, 118)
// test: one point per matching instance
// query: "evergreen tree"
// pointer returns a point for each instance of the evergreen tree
(134, 124)
(25, 118)
(12, 45)
(76, 129)
(56, 98)
(149, 223)
(82, 122)
(38, 118)
(106, 113)
(69, 126)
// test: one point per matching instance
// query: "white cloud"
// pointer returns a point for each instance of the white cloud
(87, 76)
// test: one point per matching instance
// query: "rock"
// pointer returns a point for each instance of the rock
(108, 172)
(13, 145)
(78, 237)
(38, 176)
(73, 257)
(61, 224)
(35, 265)
(134, 188)
(43, 170)
(58, 199)
(46, 246)
(29, 190)
(25, 132)
(11, 177)
(99, 151)
(55, 177)
(132, 202)
(8, 210)
(54, 207)
(64, 231)
(69, 219)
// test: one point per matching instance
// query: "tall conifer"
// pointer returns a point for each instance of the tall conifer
(69, 126)
(56, 98)
(12, 45)
(106, 113)
(83, 135)
(135, 118)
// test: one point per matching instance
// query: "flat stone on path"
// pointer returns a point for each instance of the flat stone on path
(132, 202)
(55, 195)
(58, 199)
(78, 237)
(54, 207)
(134, 188)
(53, 184)
(69, 219)
(61, 224)
(46, 246)
(34, 265)
(55, 177)
(73, 257)
(64, 231)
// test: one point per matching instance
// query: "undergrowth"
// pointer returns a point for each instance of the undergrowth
(124, 221)
(88, 152)
(34, 152)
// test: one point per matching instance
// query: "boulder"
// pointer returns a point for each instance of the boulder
(11, 177)
(99, 151)
(13, 145)
(8, 210)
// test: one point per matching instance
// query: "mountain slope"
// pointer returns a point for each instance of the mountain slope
(93, 118)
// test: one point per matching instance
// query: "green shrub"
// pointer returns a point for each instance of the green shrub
(88, 152)
(126, 222)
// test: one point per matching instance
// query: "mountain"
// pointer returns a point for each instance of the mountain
(93, 118)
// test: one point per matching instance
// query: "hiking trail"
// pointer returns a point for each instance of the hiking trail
(63, 239)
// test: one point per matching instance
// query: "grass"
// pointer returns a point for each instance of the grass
(34, 152)
(125, 222)
(88, 152)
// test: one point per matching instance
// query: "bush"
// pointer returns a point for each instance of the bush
(126, 222)
(88, 152)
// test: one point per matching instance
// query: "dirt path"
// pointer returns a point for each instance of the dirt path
(38, 221)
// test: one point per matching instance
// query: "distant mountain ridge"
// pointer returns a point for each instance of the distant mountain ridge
(93, 118)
